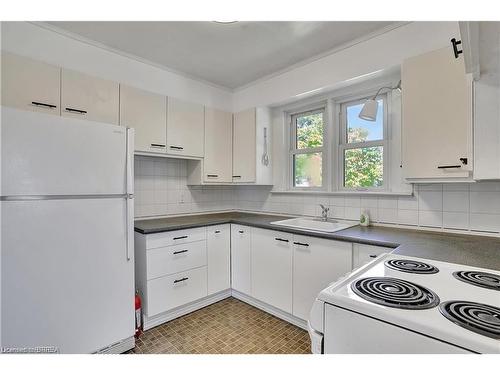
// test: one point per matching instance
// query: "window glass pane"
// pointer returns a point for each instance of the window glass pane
(307, 171)
(364, 167)
(309, 130)
(359, 130)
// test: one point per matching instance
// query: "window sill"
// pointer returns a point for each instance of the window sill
(354, 193)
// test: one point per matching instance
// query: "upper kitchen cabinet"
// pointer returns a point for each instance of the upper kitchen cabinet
(89, 98)
(185, 128)
(30, 85)
(437, 117)
(251, 147)
(216, 167)
(147, 113)
(218, 146)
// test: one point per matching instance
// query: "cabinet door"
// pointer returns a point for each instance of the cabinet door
(241, 261)
(272, 268)
(218, 146)
(244, 157)
(436, 116)
(363, 254)
(147, 113)
(185, 128)
(316, 264)
(219, 258)
(89, 98)
(30, 85)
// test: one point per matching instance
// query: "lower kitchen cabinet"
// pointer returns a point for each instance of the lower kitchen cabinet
(219, 258)
(184, 270)
(362, 254)
(272, 268)
(316, 264)
(241, 259)
(168, 292)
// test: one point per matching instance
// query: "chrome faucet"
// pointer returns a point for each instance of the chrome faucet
(324, 212)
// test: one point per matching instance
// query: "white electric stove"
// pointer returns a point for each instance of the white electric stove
(399, 304)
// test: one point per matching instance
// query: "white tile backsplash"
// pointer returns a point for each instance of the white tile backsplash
(161, 190)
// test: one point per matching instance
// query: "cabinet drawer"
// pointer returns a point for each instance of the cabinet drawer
(173, 259)
(366, 253)
(175, 238)
(168, 292)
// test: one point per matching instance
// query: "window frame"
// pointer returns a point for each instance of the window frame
(293, 150)
(343, 144)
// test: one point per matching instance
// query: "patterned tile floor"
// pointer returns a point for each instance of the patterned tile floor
(226, 327)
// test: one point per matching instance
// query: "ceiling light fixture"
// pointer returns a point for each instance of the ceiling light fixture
(370, 108)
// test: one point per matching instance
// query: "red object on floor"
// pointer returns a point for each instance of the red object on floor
(138, 314)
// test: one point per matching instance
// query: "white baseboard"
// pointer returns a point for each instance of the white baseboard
(119, 347)
(185, 309)
(270, 309)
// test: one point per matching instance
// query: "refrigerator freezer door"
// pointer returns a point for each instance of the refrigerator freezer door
(50, 155)
(66, 280)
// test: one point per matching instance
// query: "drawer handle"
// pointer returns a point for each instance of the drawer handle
(241, 231)
(212, 175)
(237, 176)
(373, 256)
(157, 145)
(180, 238)
(217, 231)
(39, 104)
(177, 148)
(181, 280)
(449, 166)
(180, 252)
(301, 243)
(73, 110)
(281, 239)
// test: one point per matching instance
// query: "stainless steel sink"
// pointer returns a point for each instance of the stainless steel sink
(314, 225)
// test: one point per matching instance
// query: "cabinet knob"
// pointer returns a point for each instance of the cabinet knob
(176, 148)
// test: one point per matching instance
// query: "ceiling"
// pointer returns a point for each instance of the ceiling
(226, 54)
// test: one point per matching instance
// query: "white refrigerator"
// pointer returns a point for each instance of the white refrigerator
(67, 266)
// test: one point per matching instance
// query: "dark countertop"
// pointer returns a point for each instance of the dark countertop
(472, 250)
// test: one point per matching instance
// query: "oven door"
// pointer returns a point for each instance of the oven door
(347, 332)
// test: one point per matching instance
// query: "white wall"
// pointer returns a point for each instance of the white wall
(31, 40)
(378, 53)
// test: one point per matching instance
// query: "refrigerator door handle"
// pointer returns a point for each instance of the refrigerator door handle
(130, 161)
(130, 192)
(129, 201)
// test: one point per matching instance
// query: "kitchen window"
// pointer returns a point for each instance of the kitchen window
(307, 149)
(363, 147)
